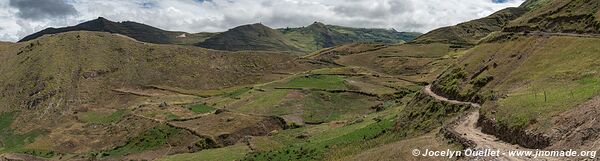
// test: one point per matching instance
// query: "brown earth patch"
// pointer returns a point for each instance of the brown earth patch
(578, 128)
(228, 128)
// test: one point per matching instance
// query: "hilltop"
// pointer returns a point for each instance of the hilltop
(245, 37)
(318, 36)
(138, 31)
(250, 37)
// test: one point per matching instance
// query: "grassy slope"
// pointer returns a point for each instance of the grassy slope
(55, 77)
(11, 140)
(102, 117)
(310, 106)
(533, 78)
(418, 62)
(401, 150)
(469, 33)
(235, 152)
(107, 60)
(378, 132)
(560, 16)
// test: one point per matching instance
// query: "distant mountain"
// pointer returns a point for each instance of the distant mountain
(318, 35)
(138, 31)
(250, 37)
(247, 37)
(469, 33)
(304, 39)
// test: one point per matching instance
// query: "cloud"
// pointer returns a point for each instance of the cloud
(220, 15)
(36, 9)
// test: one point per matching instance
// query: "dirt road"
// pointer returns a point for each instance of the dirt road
(467, 127)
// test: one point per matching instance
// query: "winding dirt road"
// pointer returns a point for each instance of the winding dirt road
(467, 127)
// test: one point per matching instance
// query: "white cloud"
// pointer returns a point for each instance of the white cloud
(220, 15)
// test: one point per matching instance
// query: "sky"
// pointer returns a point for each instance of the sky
(19, 18)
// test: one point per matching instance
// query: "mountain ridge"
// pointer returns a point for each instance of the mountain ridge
(132, 29)
(302, 39)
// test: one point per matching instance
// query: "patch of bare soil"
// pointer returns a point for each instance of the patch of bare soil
(228, 128)
(296, 110)
(578, 128)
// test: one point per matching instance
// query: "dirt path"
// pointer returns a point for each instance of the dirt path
(427, 90)
(467, 127)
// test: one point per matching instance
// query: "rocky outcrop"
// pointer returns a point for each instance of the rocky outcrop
(521, 137)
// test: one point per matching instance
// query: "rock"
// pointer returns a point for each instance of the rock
(163, 105)
(303, 136)
(218, 111)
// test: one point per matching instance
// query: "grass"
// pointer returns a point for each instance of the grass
(534, 4)
(314, 106)
(566, 16)
(103, 117)
(150, 139)
(317, 82)
(564, 68)
(325, 107)
(201, 108)
(235, 152)
(263, 103)
(264, 143)
(401, 150)
(339, 70)
(317, 148)
(6, 119)
(171, 116)
(535, 105)
(325, 140)
(40, 153)
(238, 92)
(11, 141)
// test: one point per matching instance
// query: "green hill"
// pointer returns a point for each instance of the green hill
(559, 16)
(250, 37)
(471, 32)
(304, 39)
(318, 35)
(246, 37)
(138, 31)
(544, 72)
